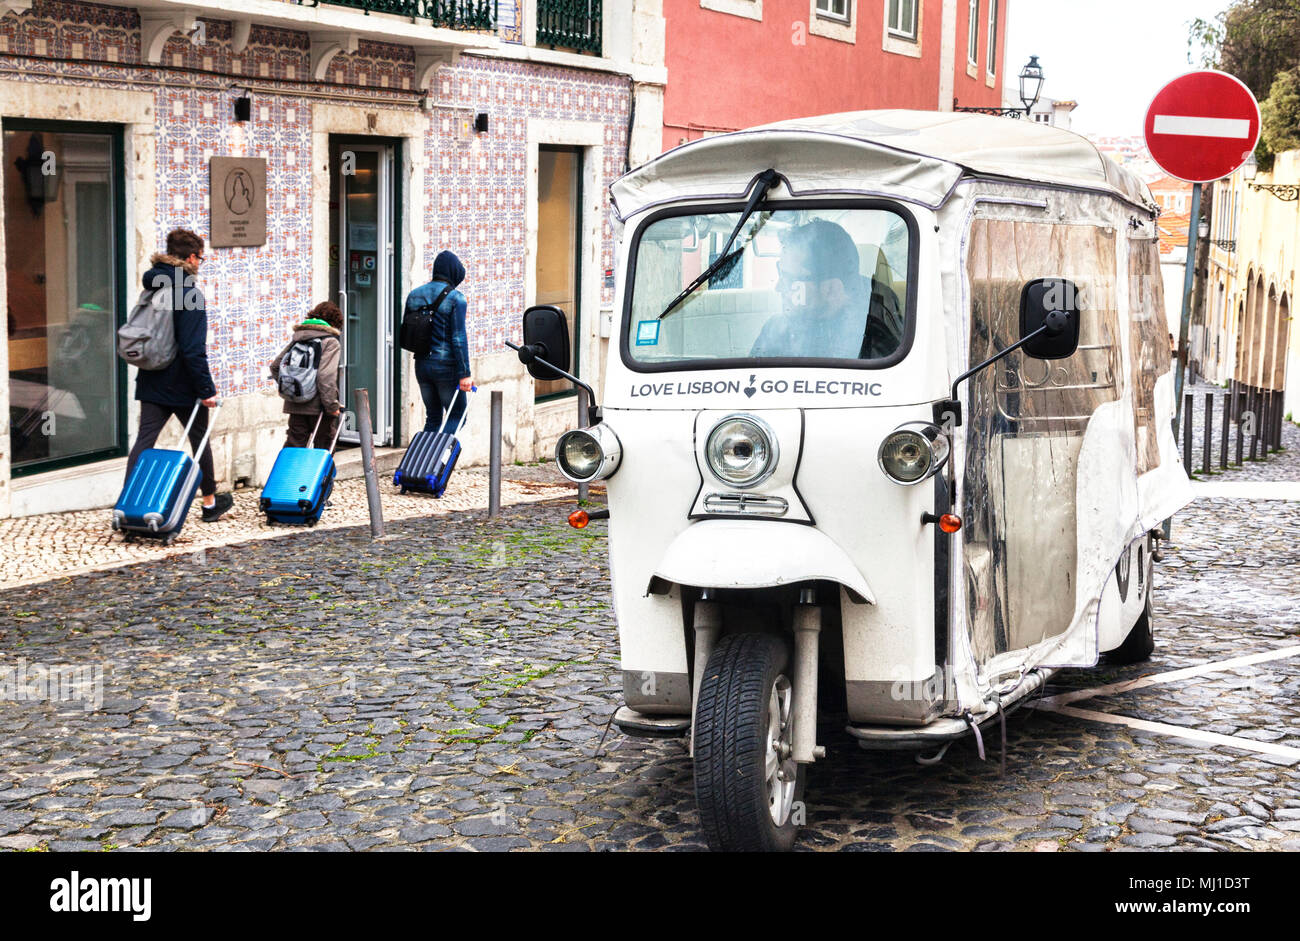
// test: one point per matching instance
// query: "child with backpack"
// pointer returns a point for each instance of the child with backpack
(306, 373)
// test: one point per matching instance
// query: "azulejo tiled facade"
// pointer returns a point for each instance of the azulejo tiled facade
(474, 192)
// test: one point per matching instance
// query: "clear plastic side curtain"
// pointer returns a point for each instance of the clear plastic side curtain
(1026, 422)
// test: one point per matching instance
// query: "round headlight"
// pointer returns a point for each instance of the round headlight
(588, 453)
(741, 451)
(913, 452)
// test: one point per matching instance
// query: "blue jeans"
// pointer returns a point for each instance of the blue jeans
(441, 395)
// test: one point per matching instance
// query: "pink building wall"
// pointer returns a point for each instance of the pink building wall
(727, 72)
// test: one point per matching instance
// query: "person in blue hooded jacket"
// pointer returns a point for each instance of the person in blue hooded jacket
(445, 368)
(172, 391)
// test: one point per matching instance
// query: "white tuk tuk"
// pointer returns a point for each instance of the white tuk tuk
(886, 435)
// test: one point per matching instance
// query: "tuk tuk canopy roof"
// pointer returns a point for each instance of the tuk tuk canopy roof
(918, 156)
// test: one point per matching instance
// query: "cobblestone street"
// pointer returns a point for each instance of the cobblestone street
(448, 686)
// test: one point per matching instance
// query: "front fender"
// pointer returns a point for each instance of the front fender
(758, 554)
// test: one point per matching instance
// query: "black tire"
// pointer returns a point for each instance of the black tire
(731, 738)
(1140, 643)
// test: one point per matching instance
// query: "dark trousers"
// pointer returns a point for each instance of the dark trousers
(152, 419)
(300, 428)
(440, 395)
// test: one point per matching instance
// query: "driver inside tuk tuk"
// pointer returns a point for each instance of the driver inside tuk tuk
(828, 310)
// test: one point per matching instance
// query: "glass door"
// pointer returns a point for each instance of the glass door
(364, 236)
(559, 224)
(62, 207)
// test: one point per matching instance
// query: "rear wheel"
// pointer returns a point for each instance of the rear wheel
(1140, 643)
(746, 785)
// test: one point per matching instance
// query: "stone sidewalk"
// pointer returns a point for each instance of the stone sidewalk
(38, 548)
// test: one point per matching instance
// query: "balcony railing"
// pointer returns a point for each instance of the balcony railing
(453, 14)
(569, 24)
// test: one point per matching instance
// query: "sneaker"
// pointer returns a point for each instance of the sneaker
(218, 509)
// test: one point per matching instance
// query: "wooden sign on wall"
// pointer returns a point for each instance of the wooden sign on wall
(237, 201)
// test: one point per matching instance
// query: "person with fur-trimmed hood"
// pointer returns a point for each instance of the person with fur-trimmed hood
(173, 390)
(323, 324)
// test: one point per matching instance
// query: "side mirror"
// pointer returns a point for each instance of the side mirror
(546, 331)
(1052, 303)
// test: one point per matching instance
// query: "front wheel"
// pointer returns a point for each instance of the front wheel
(746, 785)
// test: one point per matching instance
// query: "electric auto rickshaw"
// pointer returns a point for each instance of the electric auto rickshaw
(886, 434)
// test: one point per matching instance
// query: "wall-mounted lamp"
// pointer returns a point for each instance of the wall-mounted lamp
(243, 108)
(39, 173)
(1203, 228)
(481, 123)
(1031, 83)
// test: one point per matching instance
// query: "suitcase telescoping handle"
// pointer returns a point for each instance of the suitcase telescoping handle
(185, 435)
(337, 430)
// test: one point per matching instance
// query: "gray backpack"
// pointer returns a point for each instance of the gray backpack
(148, 338)
(299, 368)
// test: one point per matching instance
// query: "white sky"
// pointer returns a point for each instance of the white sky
(1111, 56)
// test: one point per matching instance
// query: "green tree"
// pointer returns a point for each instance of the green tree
(1257, 41)
(1280, 113)
(1252, 39)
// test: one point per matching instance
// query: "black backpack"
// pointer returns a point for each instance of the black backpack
(417, 326)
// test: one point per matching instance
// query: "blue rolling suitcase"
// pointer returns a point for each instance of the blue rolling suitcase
(428, 462)
(300, 483)
(158, 493)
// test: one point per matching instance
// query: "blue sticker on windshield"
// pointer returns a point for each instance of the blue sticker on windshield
(647, 333)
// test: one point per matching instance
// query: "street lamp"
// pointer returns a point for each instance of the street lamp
(1031, 83)
(1203, 229)
(1249, 168)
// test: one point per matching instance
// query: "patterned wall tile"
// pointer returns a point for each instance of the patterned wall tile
(473, 197)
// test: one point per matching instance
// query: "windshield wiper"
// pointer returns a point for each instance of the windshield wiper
(766, 180)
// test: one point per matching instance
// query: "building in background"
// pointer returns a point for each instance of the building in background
(738, 63)
(1243, 334)
(1053, 111)
(489, 127)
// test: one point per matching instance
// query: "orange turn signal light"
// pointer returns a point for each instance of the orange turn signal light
(950, 522)
(578, 519)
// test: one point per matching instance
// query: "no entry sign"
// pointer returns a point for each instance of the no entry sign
(1202, 126)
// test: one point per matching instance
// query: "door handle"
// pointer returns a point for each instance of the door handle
(343, 307)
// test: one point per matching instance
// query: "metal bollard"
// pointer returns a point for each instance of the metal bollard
(1278, 421)
(1269, 408)
(1241, 434)
(362, 398)
(1256, 440)
(1209, 433)
(494, 456)
(1223, 434)
(1187, 432)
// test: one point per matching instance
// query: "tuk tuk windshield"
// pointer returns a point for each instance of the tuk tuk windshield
(810, 283)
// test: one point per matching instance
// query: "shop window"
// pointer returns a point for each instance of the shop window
(559, 226)
(63, 224)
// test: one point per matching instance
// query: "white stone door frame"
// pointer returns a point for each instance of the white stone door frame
(552, 418)
(411, 129)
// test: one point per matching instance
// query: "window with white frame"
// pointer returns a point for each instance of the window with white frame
(902, 18)
(993, 37)
(973, 33)
(835, 9)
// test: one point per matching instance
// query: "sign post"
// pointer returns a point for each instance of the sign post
(1200, 127)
